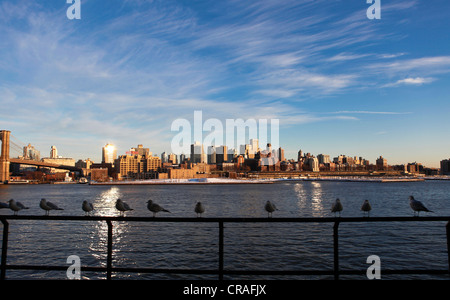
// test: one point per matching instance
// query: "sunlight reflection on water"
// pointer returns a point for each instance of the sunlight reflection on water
(194, 245)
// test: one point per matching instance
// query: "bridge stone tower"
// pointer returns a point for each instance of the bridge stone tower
(4, 157)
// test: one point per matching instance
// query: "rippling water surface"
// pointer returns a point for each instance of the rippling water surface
(261, 246)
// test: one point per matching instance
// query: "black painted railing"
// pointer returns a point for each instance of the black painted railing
(220, 271)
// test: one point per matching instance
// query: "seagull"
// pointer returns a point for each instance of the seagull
(16, 206)
(418, 206)
(87, 207)
(48, 206)
(270, 208)
(337, 207)
(122, 207)
(155, 208)
(366, 207)
(199, 209)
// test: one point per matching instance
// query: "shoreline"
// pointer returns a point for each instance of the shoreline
(225, 181)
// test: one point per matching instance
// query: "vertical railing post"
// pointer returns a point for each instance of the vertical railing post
(220, 250)
(109, 248)
(336, 249)
(4, 248)
(447, 229)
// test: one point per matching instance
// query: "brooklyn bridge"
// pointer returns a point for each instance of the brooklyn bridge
(6, 160)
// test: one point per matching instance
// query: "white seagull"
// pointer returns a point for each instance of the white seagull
(270, 208)
(48, 206)
(16, 206)
(418, 206)
(366, 207)
(155, 208)
(199, 209)
(122, 207)
(87, 207)
(337, 207)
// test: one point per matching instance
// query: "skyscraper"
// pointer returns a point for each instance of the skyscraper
(53, 152)
(381, 164)
(109, 154)
(221, 154)
(211, 154)
(197, 153)
(29, 152)
(254, 145)
(445, 167)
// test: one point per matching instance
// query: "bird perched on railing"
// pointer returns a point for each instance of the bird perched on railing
(418, 206)
(155, 208)
(16, 206)
(87, 207)
(48, 206)
(366, 207)
(337, 207)
(270, 208)
(122, 207)
(199, 209)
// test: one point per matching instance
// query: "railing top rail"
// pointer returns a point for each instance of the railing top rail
(229, 219)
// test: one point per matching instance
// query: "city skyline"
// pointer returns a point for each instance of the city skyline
(338, 82)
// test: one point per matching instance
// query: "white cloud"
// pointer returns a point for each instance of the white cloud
(369, 112)
(411, 81)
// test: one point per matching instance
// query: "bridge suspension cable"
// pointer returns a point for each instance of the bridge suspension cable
(16, 145)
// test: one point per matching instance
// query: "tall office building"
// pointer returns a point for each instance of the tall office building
(109, 154)
(164, 157)
(281, 154)
(254, 144)
(53, 152)
(221, 154)
(381, 163)
(29, 152)
(212, 155)
(140, 150)
(172, 158)
(445, 167)
(197, 153)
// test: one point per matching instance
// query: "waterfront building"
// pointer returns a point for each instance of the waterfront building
(140, 150)
(132, 165)
(164, 158)
(53, 152)
(254, 144)
(221, 154)
(323, 159)
(445, 167)
(29, 152)
(232, 155)
(172, 159)
(381, 164)
(313, 164)
(197, 153)
(211, 155)
(414, 167)
(109, 154)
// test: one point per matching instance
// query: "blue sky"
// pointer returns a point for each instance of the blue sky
(338, 82)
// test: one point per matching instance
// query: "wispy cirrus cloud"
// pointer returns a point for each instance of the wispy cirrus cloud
(411, 81)
(366, 112)
(138, 65)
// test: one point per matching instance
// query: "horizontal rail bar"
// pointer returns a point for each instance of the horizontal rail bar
(228, 272)
(229, 220)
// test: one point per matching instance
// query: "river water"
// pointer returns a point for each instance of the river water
(254, 246)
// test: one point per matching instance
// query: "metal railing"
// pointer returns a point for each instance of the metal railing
(220, 271)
